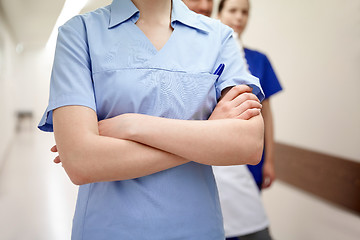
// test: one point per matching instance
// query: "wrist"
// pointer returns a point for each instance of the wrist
(268, 162)
(130, 123)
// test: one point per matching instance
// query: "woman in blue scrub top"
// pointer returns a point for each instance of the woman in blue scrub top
(139, 118)
(234, 13)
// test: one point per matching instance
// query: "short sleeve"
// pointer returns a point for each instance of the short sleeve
(269, 81)
(235, 71)
(71, 78)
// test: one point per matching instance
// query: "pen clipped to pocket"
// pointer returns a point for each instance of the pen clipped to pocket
(219, 70)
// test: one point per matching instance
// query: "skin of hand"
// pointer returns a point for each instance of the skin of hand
(237, 102)
(269, 175)
(241, 104)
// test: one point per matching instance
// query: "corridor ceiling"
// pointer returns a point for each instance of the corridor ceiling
(30, 22)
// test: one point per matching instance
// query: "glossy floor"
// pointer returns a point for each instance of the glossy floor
(36, 198)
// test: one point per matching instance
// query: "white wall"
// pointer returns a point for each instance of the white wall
(314, 47)
(297, 215)
(7, 59)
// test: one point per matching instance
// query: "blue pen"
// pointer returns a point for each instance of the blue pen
(219, 70)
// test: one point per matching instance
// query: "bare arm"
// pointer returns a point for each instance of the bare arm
(269, 167)
(88, 157)
(215, 142)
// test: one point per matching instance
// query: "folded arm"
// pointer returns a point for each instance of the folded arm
(234, 137)
(217, 142)
(88, 157)
(145, 145)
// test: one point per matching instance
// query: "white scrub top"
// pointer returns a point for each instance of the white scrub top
(240, 200)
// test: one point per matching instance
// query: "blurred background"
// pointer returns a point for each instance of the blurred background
(314, 47)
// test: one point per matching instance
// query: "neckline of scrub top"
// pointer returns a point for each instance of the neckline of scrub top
(122, 10)
(145, 38)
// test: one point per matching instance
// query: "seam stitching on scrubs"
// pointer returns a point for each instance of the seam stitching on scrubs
(85, 212)
(163, 69)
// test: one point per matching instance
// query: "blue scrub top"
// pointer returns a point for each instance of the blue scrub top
(105, 62)
(260, 66)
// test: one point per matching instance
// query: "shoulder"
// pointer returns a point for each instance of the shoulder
(200, 22)
(215, 25)
(255, 53)
(82, 21)
(205, 25)
(215, 28)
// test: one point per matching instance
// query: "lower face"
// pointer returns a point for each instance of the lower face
(203, 7)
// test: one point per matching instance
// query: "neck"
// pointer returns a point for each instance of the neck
(154, 11)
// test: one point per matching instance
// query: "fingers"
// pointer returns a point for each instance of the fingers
(57, 160)
(236, 91)
(243, 101)
(103, 126)
(54, 149)
(248, 109)
(244, 111)
(248, 105)
(237, 102)
(244, 97)
(266, 183)
(249, 113)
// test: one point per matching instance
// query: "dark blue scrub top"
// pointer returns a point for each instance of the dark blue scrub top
(260, 66)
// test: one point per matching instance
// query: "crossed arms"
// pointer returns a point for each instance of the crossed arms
(135, 145)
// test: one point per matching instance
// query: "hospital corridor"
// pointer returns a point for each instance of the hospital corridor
(314, 50)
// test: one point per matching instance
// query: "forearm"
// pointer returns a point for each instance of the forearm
(235, 139)
(269, 148)
(88, 157)
(215, 142)
(109, 159)
(269, 132)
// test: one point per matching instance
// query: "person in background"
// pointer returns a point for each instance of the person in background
(235, 13)
(203, 7)
(242, 208)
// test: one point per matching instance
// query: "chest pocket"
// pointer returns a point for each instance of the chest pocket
(155, 92)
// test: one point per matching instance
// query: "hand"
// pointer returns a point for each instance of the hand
(268, 175)
(57, 158)
(238, 103)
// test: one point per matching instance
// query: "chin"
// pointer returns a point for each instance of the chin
(239, 32)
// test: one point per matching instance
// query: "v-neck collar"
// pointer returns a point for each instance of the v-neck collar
(122, 10)
(151, 46)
